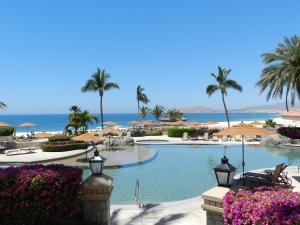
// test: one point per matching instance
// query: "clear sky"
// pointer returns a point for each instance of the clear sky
(48, 49)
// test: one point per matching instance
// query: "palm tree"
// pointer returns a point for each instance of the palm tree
(99, 83)
(79, 119)
(157, 112)
(223, 83)
(86, 118)
(2, 105)
(174, 115)
(144, 112)
(75, 109)
(141, 97)
(282, 71)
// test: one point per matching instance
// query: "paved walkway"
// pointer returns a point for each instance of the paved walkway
(186, 212)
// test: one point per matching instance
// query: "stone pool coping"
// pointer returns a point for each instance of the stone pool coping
(116, 159)
(39, 157)
(178, 141)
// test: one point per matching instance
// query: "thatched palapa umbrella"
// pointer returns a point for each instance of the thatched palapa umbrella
(109, 131)
(43, 135)
(27, 125)
(244, 130)
(256, 123)
(110, 123)
(178, 123)
(5, 125)
(88, 137)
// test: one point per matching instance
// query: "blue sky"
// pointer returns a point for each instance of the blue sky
(48, 49)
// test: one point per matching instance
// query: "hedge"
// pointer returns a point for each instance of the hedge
(64, 146)
(178, 132)
(57, 138)
(290, 132)
(265, 205)
(39, 194)
(6, 131)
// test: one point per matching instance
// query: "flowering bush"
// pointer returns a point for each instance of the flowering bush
(262, 206)
(290, 132)
(32, 195)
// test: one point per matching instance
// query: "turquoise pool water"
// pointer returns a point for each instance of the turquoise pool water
(179, 172)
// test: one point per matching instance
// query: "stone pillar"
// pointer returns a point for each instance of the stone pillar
(96, 196)
(213, 205)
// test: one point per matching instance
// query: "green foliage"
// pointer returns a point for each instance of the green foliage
(174, 115)
(270, 123)
(144, 111)
(157, 112)
(6, 131)
(2, 105)
(58, 138)
(282, 71)
(178, 132)
(222, 84)
(99, 83)
(192, 132)
(80, 119)
(64, 146)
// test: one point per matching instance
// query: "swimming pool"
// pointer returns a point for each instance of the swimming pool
(179, 172)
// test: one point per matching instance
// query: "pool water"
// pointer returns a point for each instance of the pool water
(180, 172)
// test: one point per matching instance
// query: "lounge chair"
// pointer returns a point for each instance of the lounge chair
(215, 138)
(269, 177)
(128, 135)
(206, 137)
(193, 137)
(185, 136)
(224, 138)
(237, 138)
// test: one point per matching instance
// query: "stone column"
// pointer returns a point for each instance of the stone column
(96, 196)
(213, 205)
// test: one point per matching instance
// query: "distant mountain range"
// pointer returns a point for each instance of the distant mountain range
(270, 108)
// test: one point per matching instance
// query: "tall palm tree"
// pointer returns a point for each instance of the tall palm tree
(282, 71)
(157, 112)
(99, 83)
(2, 105)
(141, 97)
(222, 84)
(144, 112)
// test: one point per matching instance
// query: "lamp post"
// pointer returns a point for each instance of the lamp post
(97, 190)
(97, 163)
(224, 173)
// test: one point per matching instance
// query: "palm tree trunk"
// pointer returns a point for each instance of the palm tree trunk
(226, 112)
(286, 98)
(101, 111)
(138, 111)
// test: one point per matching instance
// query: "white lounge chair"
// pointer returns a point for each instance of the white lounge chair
(185, 136)
(215, 138)
(206, 137)
(237, 138)
(224, 138)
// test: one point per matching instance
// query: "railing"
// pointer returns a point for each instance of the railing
(137, 194)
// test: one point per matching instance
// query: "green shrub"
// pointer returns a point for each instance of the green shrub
(6, 131)
(63, 147)
(178, 132)
(57, 138)
(192, 132)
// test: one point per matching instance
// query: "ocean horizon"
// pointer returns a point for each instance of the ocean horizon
(57, 122)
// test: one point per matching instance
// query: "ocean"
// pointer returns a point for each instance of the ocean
(57, 122)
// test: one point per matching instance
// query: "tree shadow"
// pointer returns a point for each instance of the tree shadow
(146, 210)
